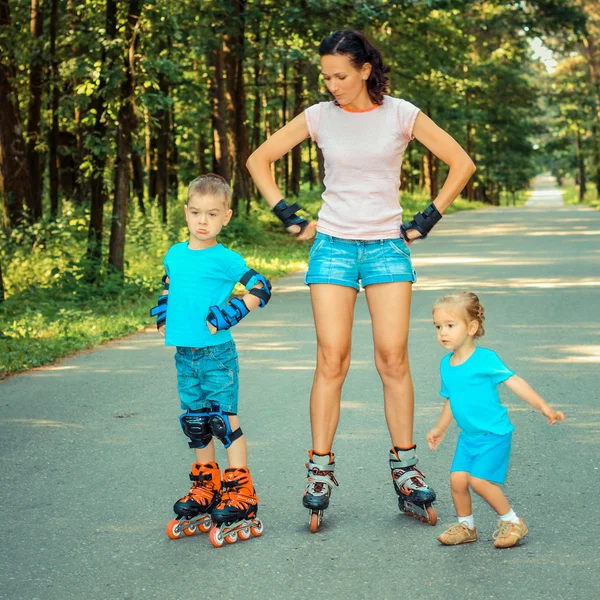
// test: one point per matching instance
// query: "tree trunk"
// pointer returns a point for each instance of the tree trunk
(219, 115)
(235, 42)
(15, 181)
(173, 156)
(138, 179)
(97, 156)
(2, 293)
(320, 164)
(53, 135)
(285, 172)
(580, 165)
(162, 150)
(296, 174)
(311, 171)
(35, 108)
(127, 125)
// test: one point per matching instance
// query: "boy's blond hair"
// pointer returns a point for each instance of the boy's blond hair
(469, 303)
(210, 185)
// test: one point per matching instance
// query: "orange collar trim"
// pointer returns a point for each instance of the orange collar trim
(360, 110)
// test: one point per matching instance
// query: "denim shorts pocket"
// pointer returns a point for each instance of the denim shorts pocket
(317, 245)
(402, 250)
(223, 358)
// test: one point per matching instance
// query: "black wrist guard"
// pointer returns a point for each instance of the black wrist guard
(287, 215)
(422, 222)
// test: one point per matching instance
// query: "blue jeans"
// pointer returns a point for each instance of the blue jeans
(351, 262)
(208, 375)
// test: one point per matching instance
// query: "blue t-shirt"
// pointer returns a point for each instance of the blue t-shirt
(472, 390)
(199, 279)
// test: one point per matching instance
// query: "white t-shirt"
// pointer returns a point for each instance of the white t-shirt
(363, 159)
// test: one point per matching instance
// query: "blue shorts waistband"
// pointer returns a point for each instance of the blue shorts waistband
(338, 240)
(205, 349)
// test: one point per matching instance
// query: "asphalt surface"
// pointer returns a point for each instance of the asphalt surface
(92, 456)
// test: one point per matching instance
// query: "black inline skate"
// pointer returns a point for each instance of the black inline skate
(235, 515)
(415, 497)
(195, 508)
(320, 483)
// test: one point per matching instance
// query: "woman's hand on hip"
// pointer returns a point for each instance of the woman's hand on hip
(309, 231)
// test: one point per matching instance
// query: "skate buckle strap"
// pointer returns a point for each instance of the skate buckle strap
(401, 476)
(321, 475)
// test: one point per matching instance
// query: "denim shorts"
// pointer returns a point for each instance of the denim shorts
(351, 262)
(484, 456)
(208, 376)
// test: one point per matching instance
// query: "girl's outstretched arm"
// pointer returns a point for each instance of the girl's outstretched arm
(522, 389)
(437, 434)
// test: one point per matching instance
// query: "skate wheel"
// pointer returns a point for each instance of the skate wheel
(173, 530)
(190, 530)
(216, 537)
(431, 515)
(314, 522)
(244, 534)
(205, 526)
(257, 529)
(231, 538)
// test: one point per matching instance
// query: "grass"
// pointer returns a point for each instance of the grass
(571, 194)
(51, 310)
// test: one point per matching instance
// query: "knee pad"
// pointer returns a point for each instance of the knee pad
(195, 424)
(221, 428)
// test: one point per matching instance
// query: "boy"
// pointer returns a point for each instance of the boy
(193, 314)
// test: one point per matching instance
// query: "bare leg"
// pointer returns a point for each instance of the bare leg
(389, 305)
(237, 453)
(491, 493)
(459, 484)
(333, 310)
(207, 454)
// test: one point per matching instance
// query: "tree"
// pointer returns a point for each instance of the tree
(127, 123)
(16, 182)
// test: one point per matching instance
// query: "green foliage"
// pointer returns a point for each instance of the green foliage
(571, 195)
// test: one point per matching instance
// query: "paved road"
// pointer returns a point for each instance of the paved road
(92, 454)
(545, 193)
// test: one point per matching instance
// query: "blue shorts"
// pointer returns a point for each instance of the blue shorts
(208, 376)
(485, 456)
(351, 262)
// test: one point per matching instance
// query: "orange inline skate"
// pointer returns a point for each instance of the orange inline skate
(235, 515)
(194, 509)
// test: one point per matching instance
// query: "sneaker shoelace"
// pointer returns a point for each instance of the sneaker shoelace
(455, 528)
(503, 529)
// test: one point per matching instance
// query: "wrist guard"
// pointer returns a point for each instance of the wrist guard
(228, 316)
(287, 215)
(160, 311)
(422, 222)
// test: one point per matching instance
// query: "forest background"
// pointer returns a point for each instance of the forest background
(108, 109)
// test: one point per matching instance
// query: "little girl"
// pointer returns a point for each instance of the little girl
(470, 376)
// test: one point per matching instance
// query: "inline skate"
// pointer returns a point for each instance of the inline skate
(194, 509)
(415, 497)
(318, 490)
(235, 515)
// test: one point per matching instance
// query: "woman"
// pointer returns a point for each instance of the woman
(360, 238)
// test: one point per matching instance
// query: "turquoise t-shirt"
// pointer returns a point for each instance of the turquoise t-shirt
(199, 279)
(472, 390)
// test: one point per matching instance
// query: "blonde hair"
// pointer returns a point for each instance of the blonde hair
(469, 303)
(210, 185)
